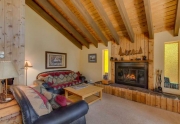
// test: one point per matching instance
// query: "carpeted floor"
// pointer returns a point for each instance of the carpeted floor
(116, 110)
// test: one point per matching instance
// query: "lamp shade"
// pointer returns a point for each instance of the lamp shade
(7, 70)
(27, 64)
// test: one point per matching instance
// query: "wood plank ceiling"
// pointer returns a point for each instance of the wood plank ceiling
(86, 22)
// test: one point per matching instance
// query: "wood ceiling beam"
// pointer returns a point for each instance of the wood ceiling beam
(71, 16)
(86, 15)
(149, 20)
(97, 4)
(52, 22)
(61, 20)
(122, 10)
(177, 20)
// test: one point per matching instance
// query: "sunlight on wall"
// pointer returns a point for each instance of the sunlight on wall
(171, 61)
(106, 61)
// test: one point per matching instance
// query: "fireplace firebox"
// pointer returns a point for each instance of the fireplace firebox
(132, 73)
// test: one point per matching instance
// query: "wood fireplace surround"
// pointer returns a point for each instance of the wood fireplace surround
(147, 45)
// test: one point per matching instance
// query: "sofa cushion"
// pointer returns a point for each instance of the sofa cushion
(53, 103)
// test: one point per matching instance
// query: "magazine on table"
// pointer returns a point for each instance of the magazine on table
(79, 86)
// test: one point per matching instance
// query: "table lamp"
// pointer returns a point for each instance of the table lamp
(7, 70)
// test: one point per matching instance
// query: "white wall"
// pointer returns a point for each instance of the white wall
(40, 37)
(159, 40)
(94, 71)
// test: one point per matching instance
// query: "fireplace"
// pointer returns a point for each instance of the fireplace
(132, 73)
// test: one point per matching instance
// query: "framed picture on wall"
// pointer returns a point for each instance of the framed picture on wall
(92, 58)
(55, 60)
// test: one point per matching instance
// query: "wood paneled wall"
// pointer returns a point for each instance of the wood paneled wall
(141, 40)
(12, 29)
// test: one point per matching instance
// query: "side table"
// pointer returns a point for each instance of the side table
(10, 113)
(106, 81)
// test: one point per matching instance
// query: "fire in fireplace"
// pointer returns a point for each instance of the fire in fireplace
(134, 74)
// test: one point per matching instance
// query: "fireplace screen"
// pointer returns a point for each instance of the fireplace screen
(134, 74)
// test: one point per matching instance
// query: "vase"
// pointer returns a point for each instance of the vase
(144, 57)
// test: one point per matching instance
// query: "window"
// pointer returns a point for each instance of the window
(171, 65)
(105, 64)
(106, 59)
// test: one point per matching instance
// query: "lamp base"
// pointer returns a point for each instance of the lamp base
(4, 99)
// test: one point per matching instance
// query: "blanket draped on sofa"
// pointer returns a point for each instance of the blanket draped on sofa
(56, 81)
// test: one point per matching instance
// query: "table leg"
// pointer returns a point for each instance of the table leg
(66, 93)
(82, 98)
(100, 94)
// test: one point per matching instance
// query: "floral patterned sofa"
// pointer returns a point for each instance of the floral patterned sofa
(56, 81)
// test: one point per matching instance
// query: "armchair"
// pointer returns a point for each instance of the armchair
(71, 114)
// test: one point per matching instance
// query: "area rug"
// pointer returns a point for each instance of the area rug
(116, 110)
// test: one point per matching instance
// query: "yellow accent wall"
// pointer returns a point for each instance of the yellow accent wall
(171, 61)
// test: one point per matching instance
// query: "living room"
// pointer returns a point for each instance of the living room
(38, 36)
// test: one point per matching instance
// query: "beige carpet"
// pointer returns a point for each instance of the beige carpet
(115, 110)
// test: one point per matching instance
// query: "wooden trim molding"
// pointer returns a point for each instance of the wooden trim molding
(147, 7)
(87, 16)
(61, 20)
(97, 4)
(70, 15)
(125, 18)
(177, 21)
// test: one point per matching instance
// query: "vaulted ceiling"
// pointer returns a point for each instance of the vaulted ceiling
(86, 22)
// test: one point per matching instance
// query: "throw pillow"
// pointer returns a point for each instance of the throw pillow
(61, 100)
(78, 75)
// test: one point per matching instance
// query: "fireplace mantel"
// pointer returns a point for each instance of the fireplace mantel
(134, 61)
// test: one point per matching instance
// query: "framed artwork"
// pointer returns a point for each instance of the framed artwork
(55, 60)
(92, 58)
